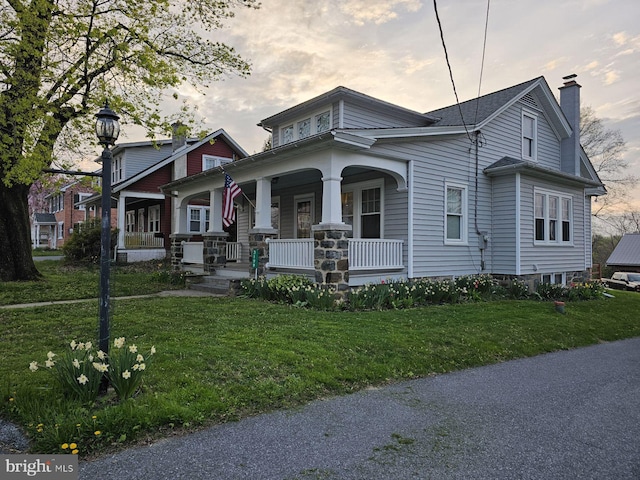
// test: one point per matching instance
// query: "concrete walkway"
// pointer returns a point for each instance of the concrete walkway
(166, 293)
(565, 415)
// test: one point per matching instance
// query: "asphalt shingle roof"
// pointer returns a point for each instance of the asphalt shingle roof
(485, 106)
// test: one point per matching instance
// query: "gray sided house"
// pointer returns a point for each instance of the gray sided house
(357, 190)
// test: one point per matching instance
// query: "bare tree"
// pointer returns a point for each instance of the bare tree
(605, 148)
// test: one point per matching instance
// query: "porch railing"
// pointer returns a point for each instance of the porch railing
(234, 251)
(290, 253)
(193, 252)
(143, 240)
(375, 254)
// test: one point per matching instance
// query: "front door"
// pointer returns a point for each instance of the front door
(304, 216)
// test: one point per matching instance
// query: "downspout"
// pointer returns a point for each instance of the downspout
(517, 223)
(482, 236)
(410, 221)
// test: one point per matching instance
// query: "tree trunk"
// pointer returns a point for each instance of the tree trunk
(16, 260)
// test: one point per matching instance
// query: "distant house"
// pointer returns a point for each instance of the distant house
(64, 212)
(626, 255)
(358, 190)
(144, 213)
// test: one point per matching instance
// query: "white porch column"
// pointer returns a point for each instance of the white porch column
(180, 216)
(331, 201)
(263, 203)
(122, 215)
(215, 211)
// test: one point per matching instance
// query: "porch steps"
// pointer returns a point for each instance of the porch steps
(224, 281)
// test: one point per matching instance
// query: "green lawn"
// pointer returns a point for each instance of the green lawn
(221, 359)
(67, 282)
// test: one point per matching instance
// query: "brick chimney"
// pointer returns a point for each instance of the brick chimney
(178, 137)
(570, 104)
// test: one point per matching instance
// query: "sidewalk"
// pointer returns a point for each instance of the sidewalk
(166, 293)
(569, 414)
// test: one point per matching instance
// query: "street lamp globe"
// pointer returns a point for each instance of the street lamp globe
(107, 125)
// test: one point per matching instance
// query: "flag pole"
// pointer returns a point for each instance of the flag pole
(241, 191)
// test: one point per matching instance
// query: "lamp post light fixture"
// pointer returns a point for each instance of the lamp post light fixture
(107, 130)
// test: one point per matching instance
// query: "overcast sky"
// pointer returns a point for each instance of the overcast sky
(391, 49)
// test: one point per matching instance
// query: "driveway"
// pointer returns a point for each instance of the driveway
(565, 415)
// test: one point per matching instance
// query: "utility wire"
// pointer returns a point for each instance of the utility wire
(484, 49)
(446, 56)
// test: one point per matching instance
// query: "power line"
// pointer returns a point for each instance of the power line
(484, 49)
(446, 56)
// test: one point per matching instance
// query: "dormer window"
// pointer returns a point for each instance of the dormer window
(529, 136)
(322, 122)
(287, 134)
(306, 127)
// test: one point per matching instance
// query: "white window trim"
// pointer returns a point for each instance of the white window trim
(534, 117)
(60, 230)
(552, 278)
(117, 170)
(464, 227)
(356, 189)
(217, 161)
(547, 234)
(313, 128)
(152, 218)
(203, 218)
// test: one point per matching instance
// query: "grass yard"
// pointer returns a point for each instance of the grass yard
(68, 282)
(222, 359)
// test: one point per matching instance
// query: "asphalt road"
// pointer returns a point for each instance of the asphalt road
(565, 415)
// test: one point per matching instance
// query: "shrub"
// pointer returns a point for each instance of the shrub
(84, 243)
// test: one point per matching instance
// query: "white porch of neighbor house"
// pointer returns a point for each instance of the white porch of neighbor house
(141, 236)
(329, 254)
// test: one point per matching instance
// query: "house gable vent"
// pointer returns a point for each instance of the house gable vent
(530, 101)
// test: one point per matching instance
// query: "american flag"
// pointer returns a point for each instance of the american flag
(231, 191)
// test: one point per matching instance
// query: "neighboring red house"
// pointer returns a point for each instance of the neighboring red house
(144, 214)
(52, 228)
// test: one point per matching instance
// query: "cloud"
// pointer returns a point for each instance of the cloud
(376, 11)
(620, 38)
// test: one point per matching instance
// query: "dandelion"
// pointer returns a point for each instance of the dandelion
(97, 433)
(93, 417)
(33, 366)
(73, 446)
(126, 374)
(82, 379)
(64, 446)
(118, 342)
(74, 451)
(133, 348)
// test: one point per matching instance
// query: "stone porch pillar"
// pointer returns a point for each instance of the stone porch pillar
(331, 256)
(214, 253)
(177, 253)
(258, 240)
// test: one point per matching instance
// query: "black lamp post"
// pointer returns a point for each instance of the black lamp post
(107, 130)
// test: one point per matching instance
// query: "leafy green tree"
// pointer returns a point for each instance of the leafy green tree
(61, 59)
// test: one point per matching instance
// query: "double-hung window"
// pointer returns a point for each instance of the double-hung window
(553, 222)
(211, 161)
(154, 218)
(529, 136)
(362, 208)
(199, 218)
(455, 222)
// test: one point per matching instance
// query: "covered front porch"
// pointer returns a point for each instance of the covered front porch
(337, 217)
